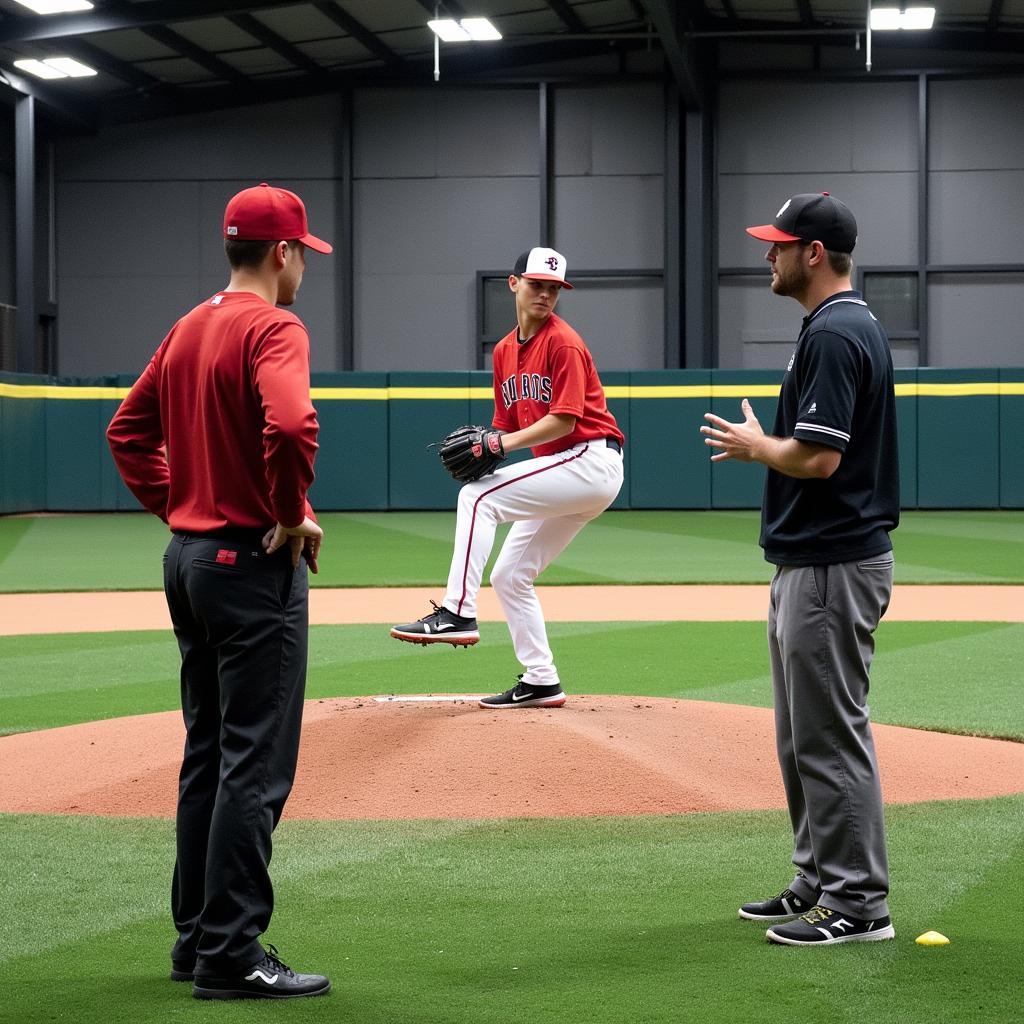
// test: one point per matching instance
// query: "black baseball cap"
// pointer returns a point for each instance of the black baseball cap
(811, 217)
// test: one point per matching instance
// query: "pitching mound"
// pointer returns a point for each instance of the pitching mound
(596, 756)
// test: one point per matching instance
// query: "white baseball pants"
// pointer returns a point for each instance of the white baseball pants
(549, 500)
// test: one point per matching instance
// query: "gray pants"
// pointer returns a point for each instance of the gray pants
(821, 623)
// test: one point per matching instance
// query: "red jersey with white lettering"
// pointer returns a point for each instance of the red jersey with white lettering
(553, 372)
(219, 431)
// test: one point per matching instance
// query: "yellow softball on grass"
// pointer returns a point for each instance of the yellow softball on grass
(932, 939)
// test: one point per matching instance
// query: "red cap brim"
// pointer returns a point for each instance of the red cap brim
(317, 244)
(548, 277)
(770, 233)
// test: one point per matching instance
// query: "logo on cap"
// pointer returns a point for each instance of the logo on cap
(552, 262)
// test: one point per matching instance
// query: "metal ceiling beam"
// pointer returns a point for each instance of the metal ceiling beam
(570, 19)
(101, 60)
(357, 30)
(51, 100)
(664, 17)
(197, 55)
(995, 12)
(806, 14)
(270, 39)
(116, 16)
(450, 7)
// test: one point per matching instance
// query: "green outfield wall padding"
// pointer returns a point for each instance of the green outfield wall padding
(351, 464)
(441, 403)
(906, 419)
(1011, 441)
(738, 484)
(669, 465)
(616, 381)
(957, 450)
(959, 433)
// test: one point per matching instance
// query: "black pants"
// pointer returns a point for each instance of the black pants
(241, 621)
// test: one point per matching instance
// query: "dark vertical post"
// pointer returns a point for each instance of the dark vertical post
(922, 219)
(672, 279)
(701, 251)
(344, 234)
(546, 233)
(24, 232)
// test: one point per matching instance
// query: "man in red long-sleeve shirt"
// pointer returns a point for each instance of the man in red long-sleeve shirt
(217, 438)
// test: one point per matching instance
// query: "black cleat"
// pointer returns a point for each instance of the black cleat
(823, 927)
(441, 626)
(783, 907)
(526, 695)
(267, 979)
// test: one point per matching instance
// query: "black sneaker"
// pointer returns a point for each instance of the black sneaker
(268, 979)
(823, 927)
(526, 695)
(783, 907)
(439, 627)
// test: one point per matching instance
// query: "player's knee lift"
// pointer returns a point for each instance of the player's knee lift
(511, 581)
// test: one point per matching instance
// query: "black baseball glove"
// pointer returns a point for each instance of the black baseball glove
(469, 452)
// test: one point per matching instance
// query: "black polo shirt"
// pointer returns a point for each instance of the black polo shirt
(838, 391)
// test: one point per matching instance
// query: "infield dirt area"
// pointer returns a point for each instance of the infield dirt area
(370, 759)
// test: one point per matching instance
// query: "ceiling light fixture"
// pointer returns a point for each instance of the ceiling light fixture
(467, 30)
(56, 67)
(888, 19)
(55, 6)
(884, 19)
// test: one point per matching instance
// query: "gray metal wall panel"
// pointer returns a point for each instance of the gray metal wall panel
(976, 319)
(110, 322)
(885, 206)
(757, 329)
(609, 131)
(261, 143)
(415, 321)
(415, 133)
(976, 216)
(621, 322)
(975, 124)
(817, 129)
(610, 222)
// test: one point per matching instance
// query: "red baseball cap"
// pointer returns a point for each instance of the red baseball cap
(268, 214)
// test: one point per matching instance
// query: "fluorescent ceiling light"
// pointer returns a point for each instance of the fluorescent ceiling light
(918, 17)
(480, 29)
(55, 67)
(71, 67)
(888, 18)
(39, 69)
(448, 30)
(55, 6)
(475, 29)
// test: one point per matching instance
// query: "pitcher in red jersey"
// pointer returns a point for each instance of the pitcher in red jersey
(548, 398)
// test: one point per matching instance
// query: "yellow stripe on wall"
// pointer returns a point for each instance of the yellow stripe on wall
(70, 393)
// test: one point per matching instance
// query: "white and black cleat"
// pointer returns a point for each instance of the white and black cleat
(440, 627)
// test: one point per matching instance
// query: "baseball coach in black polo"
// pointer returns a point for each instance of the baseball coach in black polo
(831, 499)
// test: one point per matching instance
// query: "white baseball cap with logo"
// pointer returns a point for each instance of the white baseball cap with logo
(542, 265)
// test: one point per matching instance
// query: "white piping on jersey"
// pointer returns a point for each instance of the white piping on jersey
(831, 431)
(856, 302)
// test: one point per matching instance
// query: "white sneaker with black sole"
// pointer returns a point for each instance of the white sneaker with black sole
(526, 695)
(823, 927)
(783, 907)
(441, 626)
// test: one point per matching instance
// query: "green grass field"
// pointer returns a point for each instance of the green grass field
(595, 920)
(373, 549)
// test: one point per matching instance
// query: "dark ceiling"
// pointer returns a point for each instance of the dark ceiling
(160, 57)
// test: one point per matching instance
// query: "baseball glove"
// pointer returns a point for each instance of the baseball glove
(470, 452)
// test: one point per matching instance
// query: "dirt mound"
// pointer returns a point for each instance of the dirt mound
(366, 759)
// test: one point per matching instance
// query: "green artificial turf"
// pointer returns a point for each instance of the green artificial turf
(583, 920)
(958, 677)
(367, 549)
